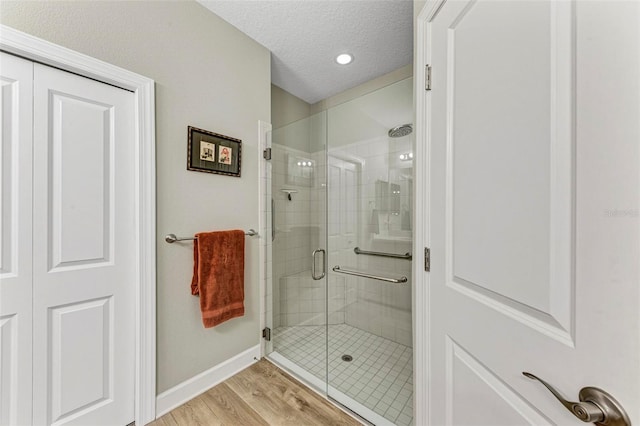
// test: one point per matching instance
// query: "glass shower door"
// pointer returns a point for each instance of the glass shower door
(298, 289)
(370, 185)
(340, 288)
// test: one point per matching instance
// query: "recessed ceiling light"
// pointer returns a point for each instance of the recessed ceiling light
(344, 59)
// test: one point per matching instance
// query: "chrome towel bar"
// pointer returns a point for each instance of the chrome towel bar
(171, 238)
(378, 253)
(365, 275)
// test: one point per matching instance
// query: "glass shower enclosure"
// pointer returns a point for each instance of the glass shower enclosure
(341, 187)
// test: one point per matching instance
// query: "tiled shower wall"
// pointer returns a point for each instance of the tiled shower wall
(302, 300)
(298, 227)
(292, 245)
(358, 136)
(358, 130)
(379, 307)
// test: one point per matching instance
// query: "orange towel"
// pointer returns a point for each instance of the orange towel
(218, 275)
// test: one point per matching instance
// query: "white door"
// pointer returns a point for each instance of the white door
(343, 181)
(534, 207)
(15, 240)
(81, 296)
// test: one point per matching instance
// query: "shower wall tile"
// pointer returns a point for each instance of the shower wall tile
(377, 307)
(380, 308)
(293, 226)
(303, 300)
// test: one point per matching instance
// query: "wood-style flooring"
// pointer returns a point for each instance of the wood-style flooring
(262, 394)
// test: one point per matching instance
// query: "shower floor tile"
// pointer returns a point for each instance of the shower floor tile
(379, 376)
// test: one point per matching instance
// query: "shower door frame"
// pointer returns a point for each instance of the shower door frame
(267, 230)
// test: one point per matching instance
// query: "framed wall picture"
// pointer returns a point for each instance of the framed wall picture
(211, 152)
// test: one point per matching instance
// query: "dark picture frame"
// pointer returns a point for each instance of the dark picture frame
(211, 152)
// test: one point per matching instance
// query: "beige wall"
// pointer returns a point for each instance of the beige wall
(286, 108)
(363, 89)
(210, 75)
(418, 5)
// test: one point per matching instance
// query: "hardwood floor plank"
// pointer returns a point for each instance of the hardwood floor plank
(263, 400)
(273, 395)
(230, 408)
(317, 406)
(195, 413)
(166, 420)
(260, 395)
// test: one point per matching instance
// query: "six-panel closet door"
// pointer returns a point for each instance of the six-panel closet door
(71, 282)
(15, 240)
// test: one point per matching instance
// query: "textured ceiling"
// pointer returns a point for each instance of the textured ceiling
(304, 37)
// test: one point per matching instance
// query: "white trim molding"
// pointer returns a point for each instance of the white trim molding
(42, 51)
(422, 224)
(189, 389)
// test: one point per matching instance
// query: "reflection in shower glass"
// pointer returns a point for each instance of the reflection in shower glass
(298, 301)
(352, 168)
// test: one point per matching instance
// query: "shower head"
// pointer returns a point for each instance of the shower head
(400, 131)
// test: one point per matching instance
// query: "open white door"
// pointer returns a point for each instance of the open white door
(532, 137)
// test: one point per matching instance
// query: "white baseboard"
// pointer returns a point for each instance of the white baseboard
(189, 389)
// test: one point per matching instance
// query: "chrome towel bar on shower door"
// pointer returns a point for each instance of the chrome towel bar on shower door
(378, 253)
(365, 275)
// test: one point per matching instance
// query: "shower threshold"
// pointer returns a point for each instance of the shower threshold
(377, 384)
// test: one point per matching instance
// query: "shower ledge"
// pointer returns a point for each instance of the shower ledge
(394, 236)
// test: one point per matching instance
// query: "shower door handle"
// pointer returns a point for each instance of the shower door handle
(273, 219)
(313, 264)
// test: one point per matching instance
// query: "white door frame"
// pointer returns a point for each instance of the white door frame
(38, 50)
(422, 223)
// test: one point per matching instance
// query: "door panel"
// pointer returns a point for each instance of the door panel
(81, 341)
(81, 172)
(519, 205)
(494, 402)
(335, 180)
(519, 209)
(516, 182)
(84, 259)
(342, 195)
(343, 184)
(15, 240)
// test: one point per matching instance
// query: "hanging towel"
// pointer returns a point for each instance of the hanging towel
(218, 275)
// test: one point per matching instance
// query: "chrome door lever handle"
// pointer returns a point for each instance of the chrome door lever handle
(595, 406)
(585, 411)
